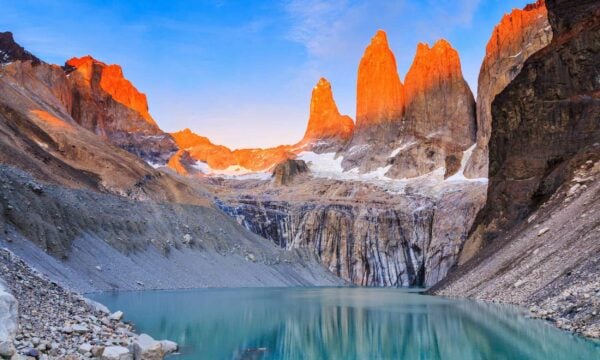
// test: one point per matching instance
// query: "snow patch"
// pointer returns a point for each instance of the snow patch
(460, 174)
(232, 172)
(327, 166)
(154, 165)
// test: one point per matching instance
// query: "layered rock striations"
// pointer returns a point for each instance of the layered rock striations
(536, 240)
(327, 129)
(439, 122)
(106, 103)
(379, 102)
(518, 35)
(358, 231)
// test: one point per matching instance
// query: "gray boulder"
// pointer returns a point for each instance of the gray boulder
(146, 348)
(8, 321)
(116, 353)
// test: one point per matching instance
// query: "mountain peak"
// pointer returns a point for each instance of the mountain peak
(112, 81)
(438, 99)
(380, 95)
(380, 38)
(431, 66)
(11, 51)
(325, 120)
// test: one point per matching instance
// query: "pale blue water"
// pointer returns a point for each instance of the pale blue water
(341, 323)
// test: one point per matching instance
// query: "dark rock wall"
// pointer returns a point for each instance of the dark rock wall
(545, 117)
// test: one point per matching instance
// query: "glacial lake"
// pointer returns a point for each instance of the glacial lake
(341, 323)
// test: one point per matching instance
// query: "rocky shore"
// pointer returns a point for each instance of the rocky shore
(42, 320)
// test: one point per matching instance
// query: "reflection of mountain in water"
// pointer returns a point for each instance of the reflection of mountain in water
(343, 324)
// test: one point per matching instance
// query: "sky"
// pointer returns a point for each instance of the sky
(241, 72)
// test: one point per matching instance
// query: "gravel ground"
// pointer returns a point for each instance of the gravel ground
(549, 264)
(55, 323)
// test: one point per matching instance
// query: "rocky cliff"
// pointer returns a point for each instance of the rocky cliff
(103, 101)
(379, 102)
(327, 129)
(536, 239)
(360, 232)
(518, 35)
(439, 124)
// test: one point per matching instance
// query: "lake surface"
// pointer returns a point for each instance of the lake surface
(341, 323)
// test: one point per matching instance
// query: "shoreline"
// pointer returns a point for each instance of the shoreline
(66, 324)
(51, 322)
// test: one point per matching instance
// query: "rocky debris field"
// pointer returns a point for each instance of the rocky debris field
(55, 323)
(550, 263)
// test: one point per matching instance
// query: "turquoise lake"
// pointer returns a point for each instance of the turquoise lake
(341, 323)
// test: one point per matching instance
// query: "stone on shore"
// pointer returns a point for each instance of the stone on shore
(116, 353)
(146, 348)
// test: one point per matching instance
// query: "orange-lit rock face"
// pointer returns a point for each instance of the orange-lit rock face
(379, 92)
(431, 68)
(182, 163)
(509, 34)
(220, 157)
(113, 82)
(104, 102)
(439, 103)
(325, 121)
(518, 35)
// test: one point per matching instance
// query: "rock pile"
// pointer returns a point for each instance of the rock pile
(55, 323)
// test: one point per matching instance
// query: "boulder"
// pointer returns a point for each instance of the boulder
(146, 348)
(285, 172)
(8, 320)
(117, 316)
(116, 353)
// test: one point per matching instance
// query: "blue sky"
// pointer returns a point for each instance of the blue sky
(241, 72)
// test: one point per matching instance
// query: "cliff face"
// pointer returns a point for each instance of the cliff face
(544, 167)
(379, 102)
(379, 91)
(106, 103)
(381, 240)
(440, 113)
(518, 35)
(546, 117)
(439, 103)
(327, 129)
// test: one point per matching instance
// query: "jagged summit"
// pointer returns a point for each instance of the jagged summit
(379, 92)
(11, 51)
(325, 121)
(430, 67)
(113, 82)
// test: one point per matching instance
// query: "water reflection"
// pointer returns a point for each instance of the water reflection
(342, 323)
